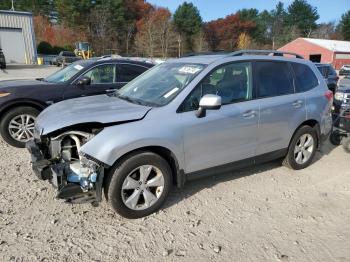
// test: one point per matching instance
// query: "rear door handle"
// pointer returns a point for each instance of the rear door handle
(249, 114)
(298, 103)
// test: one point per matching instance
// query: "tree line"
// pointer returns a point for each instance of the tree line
(136, 27)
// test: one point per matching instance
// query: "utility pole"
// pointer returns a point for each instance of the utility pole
(13, 6)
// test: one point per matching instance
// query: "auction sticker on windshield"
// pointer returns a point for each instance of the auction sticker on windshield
(190, 69)
(78, 67)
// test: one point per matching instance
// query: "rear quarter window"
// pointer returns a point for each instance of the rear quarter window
(273, 79)
(332, 71)
(305, 77)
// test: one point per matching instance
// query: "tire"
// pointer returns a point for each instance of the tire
(335, 138)
(346, 144)
(290, 159)
(11, 115)
(115, 185)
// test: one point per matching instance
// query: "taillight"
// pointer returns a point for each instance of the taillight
(329, 95)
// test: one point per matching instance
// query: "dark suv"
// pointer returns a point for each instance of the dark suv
(22, 100)
(330, 75)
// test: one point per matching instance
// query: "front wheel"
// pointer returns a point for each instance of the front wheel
(17, 125)
(302, 148)
(139, 185)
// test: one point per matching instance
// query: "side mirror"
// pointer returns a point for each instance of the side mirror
(208, 102)
(84, 81)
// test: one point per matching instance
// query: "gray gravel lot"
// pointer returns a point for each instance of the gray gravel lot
(263, 213)
(266, 213)
(13, 72)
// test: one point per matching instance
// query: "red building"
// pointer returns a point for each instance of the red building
(325, 51)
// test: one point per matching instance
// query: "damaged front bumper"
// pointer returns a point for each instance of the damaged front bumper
(78, 181)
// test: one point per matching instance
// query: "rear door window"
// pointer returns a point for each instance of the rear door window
(273, 79)
(305, 77)
(127, 72)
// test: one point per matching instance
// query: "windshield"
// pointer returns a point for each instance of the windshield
(161, 84)
(65, 74)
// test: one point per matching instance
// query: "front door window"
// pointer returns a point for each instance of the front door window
(103, 74)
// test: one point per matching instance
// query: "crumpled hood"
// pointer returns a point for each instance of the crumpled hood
(101, 109)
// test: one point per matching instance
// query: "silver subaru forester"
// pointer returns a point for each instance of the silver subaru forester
(181, 120)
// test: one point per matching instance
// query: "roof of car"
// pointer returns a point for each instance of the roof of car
(97, 60)
(208, 59)
(200, 59)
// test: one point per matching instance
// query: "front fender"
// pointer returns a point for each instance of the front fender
(114, 142)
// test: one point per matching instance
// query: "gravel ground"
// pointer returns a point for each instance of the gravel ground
(264, 213)
(13, 72)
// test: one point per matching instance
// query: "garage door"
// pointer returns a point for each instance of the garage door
(12, 44)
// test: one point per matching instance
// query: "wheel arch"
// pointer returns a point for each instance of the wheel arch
(312, 123)
(167, 154)
(19, 103)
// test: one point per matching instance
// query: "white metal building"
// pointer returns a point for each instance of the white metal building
(17, 38)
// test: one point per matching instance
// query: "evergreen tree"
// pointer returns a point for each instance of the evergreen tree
(303, 16)
(344, 26)
(188, 22)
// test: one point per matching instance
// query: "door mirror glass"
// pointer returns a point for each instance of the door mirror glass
(84, 81)
(208, 102)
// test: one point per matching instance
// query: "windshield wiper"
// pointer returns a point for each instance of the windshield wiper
(129, 99)
(133, 100)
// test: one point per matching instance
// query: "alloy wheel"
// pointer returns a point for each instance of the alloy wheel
(21, 127)
(304, 148)
(142, 187)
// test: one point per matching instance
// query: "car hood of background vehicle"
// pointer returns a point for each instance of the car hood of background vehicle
(21, 83)
(101, 109)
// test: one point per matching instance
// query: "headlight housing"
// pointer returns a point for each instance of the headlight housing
(339, 96)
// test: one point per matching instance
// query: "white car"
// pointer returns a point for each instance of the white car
(344, 70)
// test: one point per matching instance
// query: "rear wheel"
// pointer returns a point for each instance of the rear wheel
(17, 125)
(139, 185)
(302, 148)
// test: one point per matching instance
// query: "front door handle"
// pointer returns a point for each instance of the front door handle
(249, 114)
(298, 103)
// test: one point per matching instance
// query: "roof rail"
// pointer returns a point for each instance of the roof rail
(264, 52)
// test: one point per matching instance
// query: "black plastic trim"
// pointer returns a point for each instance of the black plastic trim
(236, 165)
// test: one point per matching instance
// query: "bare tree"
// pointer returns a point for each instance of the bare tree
(324, 31)
(101, 30)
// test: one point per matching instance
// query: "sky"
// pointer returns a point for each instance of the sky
(329, 10)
